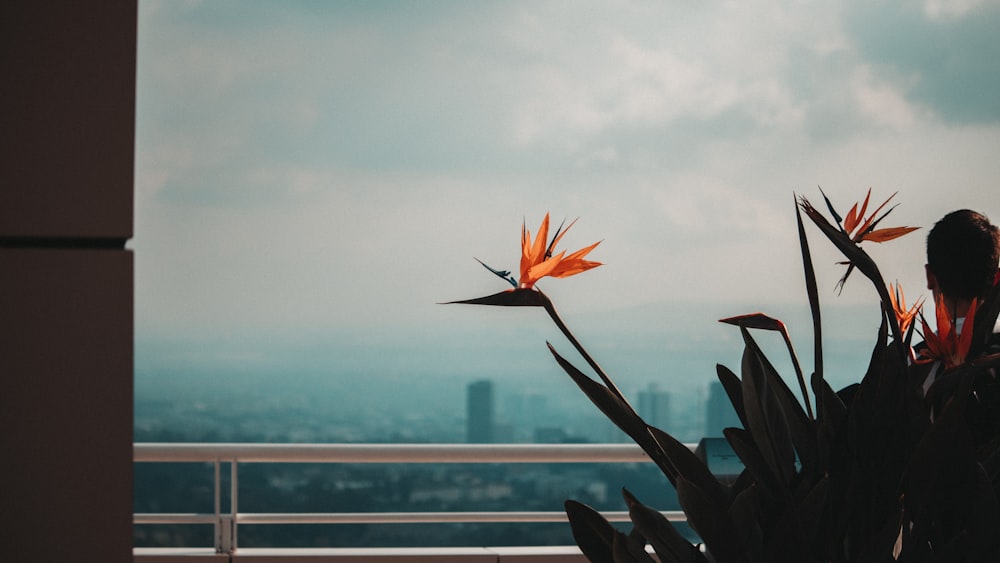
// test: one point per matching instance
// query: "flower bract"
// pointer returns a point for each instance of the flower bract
(949, 344)
(904, 315)
(860, 229)
(538, 259)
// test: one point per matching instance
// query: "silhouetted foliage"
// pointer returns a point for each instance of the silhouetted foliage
(868, 477)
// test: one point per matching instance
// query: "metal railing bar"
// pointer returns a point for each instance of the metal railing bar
(225, 524)
(428, 517)
(174, 518)
(382, 517)
(390, 453)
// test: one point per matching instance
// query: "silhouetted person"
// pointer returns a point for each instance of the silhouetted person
(963, 251)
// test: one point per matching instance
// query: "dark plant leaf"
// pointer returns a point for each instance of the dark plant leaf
(690, 466)
(765, 322)
(801, 428)
(983, 521)
(986, 318)
(619, 413)
(746, 449)
(877, 545)
(879, 438)
(787, 538)
(755, 320)
(710, 521)
(734, 390)
(745, 480)
(747, 519)
(509, 298)
(594, 535)
(829, 406)
(550, 308)
(669, 545)
(830, 416)
(630, 548)
(765, 419)
(862, 261)
(948, 443)
(812, 292)
(813, 515)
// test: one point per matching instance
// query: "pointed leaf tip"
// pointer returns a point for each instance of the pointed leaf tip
(755, 320)
(509, 298)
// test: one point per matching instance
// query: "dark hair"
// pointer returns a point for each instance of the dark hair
(963, 249)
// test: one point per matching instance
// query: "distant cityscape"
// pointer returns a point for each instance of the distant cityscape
(482, 424)
(246, 414)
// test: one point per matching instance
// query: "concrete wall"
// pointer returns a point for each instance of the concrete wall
(67, 105)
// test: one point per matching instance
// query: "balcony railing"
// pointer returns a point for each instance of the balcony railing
(226, 523)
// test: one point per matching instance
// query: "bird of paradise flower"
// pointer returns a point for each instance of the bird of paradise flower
(847, 235)
(540, 260)
(904, 315)
(949, 344)
(859, 229)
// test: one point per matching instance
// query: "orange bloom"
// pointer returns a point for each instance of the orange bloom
(948, 345)
(904, 316)
(856, 228)
(538, 261)
(859, 230)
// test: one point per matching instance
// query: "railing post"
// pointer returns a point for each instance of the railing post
(217, 485)
(225, 524)
(233, 495)
(227, 534)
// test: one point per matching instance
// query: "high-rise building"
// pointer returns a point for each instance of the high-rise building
(654, 407)
(479, 417)
(721, 413)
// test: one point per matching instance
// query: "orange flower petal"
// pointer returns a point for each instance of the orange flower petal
(545, 268)
(883, 235)
(852, 219)
(871, 218)
(560, 234)
(536, 263)
(569, 268)
(947, 345)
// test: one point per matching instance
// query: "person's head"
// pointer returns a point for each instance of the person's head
(963, 249)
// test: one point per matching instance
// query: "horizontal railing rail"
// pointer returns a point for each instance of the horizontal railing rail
(236, 453)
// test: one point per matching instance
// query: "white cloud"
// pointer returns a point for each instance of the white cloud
(881, 101)
(945, 10)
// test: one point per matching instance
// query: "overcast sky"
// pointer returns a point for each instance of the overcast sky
(307, 166)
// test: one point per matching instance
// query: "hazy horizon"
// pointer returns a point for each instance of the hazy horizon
(314, 178)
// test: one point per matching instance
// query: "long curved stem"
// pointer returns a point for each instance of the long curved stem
(798, 373)
(551, 309)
